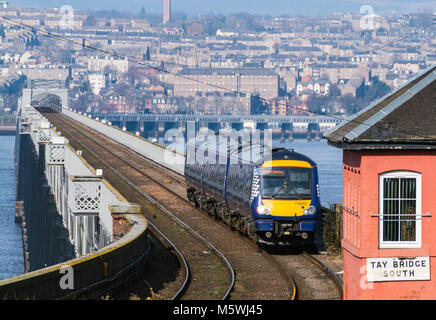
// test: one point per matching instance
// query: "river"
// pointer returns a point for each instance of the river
(11, 245)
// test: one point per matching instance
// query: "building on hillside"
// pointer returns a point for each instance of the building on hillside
(319, 87)
(227, 82)
(100, 63)
(389, 203)
(97, 81)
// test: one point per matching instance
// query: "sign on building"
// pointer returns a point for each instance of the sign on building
(398, 269)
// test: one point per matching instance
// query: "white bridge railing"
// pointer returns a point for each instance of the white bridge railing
(83, 198)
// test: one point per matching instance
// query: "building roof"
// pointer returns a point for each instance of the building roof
(405, 118)
(227, 71)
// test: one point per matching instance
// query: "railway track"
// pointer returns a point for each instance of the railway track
(319, 276)
(135, 172)
(317, 273)
(191, 279)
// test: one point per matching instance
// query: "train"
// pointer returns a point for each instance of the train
(273, 198)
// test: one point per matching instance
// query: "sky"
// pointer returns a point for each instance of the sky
(271, 7)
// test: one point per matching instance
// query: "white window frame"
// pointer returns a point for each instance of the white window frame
(418, 235)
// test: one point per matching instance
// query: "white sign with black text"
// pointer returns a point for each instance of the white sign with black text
(398, 269)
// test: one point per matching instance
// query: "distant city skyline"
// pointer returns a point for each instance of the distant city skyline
(271, 7)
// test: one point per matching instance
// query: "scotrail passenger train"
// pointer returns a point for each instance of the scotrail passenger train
(273, 199)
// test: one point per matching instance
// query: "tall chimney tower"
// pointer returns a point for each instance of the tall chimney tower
(167, 11)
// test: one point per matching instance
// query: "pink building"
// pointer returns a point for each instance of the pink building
(389, 194)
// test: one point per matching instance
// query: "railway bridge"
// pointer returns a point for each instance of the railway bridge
(153, 125)
(104, 214)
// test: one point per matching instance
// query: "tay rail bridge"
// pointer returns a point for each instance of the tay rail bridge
(105, 215)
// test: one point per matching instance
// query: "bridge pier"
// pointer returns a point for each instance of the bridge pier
(287, 131)
(118, 123)
(313, 131)
(170, 125)
(131, 126)
(262, 126)
(214, 126)
(237, 126)
(150, 127)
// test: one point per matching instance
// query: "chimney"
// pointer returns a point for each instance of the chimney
(167, 11)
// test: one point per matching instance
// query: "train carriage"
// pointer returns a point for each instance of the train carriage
(272, 198)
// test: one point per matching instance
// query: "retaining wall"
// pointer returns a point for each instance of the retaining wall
(64, 177)
(171, 159)
(92, 274)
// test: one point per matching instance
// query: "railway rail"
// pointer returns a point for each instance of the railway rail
(191, 263)
(246, 284)
(285, 264)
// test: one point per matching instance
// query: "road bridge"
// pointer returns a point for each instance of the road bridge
(153, 125)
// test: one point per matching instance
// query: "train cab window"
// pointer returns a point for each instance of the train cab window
(290, 183)
(300, 181)
(274, 185)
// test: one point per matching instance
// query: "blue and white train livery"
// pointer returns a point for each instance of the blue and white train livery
(273, 199)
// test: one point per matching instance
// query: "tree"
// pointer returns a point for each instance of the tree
(257, 105)
(334, 91)
(85, 86)
(376, 91)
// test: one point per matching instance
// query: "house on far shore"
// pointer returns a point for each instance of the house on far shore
(389, 194)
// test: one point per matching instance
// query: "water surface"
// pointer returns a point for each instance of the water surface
(11, 245)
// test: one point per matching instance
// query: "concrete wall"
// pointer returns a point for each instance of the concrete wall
(53, 180)
(101, 270)
(171, 159)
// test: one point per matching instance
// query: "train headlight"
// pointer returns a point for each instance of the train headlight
(309, 211)
(263, 210)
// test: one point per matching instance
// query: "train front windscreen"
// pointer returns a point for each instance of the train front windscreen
(286, 183)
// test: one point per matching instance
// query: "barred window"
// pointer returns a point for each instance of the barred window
(400, 210)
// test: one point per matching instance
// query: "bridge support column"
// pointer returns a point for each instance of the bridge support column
(287, 131)
(118, 124)
(214, 126)
(170, 125)
(262, 126)
(149, 129)
(237, 126)
(45, 241)
(313, 131)
(132, 126)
